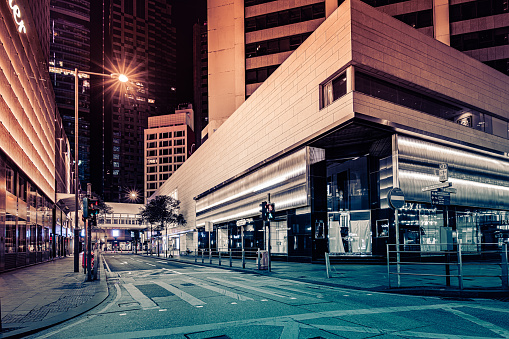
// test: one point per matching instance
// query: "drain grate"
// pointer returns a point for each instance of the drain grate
(187, 284)
(219, 337)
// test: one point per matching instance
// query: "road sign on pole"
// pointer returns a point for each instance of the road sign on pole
(443, 175)
(436, 186)
(396, 198)
(440, 198)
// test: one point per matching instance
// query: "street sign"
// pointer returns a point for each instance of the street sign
(241, 222)
(209, 226)
(396, 198)
(440, 198)
(443, 175)
(436, 186)
(450, 190)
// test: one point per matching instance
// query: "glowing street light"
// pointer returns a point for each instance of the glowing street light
(121, 78)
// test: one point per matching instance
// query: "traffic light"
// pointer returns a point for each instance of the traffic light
(94, 220)
(93, 207)
(271, 211)
(85, 207)
(264, 210)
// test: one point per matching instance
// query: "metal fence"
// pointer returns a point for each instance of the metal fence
(448, 265)
(234, 258)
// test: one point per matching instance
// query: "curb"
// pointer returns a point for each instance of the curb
(35, 327)
(415, 291)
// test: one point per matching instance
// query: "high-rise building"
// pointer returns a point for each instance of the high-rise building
(200, 79)
(138, 39)
(169, 141)
(249, 39)
(69, 39)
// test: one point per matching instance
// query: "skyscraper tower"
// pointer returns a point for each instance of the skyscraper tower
(69, 48)
(138, 39)
(200, 79)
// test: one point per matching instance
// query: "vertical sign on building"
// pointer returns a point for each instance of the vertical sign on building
(443, 175)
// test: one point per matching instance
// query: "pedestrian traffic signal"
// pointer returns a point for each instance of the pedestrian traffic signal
(264, 210)
(271, 211)
(85, 207)
(93, 207)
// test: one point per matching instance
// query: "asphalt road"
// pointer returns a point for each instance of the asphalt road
(150, 297)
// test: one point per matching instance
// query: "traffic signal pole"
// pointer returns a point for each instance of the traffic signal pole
(268, 229)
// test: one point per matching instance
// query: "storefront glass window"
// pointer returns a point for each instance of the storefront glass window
(10, 233)
(278, 240)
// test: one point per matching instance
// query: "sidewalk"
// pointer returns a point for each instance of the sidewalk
(369, 277)
(43, 295)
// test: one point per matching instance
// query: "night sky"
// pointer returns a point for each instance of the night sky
(186, 13)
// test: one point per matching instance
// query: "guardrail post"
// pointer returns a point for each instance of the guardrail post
(505, 268)
(243, 259)
(448, 268)
(388, 267)
(230, 257)
(258, 258)
(219, 253)
(460, 266)
(398, 259)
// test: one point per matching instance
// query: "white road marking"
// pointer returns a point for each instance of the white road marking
(219, 290)
(232, 283)
(181, 294)
(141, 298)
(284, 320)
(492, 327)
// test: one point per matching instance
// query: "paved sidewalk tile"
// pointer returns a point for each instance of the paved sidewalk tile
(38, 293)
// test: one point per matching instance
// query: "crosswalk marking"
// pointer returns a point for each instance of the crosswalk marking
(232, 283)
(181, 294)
(220, 290)
(144, 301)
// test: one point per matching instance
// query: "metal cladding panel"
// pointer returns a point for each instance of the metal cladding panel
(285, 179)
(480, 180)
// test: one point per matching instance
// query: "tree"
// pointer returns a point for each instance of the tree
(161, 211)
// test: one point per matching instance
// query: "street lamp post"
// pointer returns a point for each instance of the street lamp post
(121, 78)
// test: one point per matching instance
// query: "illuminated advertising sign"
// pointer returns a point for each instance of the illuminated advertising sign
(16, 13)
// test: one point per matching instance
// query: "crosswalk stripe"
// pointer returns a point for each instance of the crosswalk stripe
(144, 301)
(220, 290)
(231, 283)
(181, 294)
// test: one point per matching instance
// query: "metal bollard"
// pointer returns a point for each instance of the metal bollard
(460, 267)
(230, 258)
(219, 252)
(202, 260)
(243, 259)
(258, 259)
(505, 268)
(196, 256)
(210, 256)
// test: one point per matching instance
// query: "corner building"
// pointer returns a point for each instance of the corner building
(365, 104)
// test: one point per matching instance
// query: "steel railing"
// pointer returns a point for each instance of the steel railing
(479, 265)
(254, 259)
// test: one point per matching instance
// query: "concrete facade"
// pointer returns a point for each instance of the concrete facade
(286, 112)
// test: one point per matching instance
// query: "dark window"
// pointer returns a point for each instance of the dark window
(140, 9)
(477, 9)
(405, 97)
(285, 17)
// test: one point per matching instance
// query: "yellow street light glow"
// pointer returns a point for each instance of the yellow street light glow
(122, 78)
